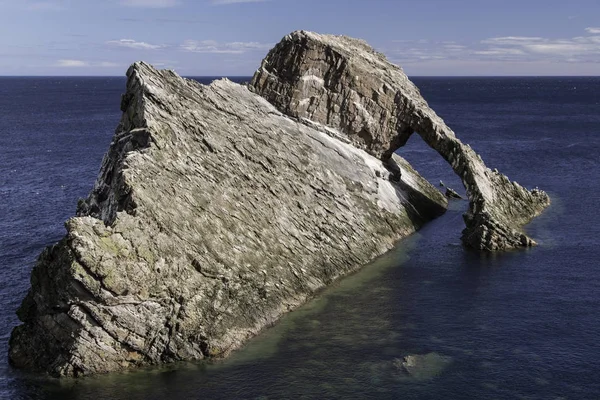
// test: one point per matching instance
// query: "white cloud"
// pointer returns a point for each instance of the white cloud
(204, 46)
(454, 47)
(150, 3)
(500, 51)
(223, 2)
(559, 49)
(72, 63)
(132, 44)
(85, 64)
(414, 51)
(249, 45)
(212, 46)
(108, 64)
(512, 40)
(584, 49)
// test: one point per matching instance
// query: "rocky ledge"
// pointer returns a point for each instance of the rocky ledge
(213, 214)
(343, 83)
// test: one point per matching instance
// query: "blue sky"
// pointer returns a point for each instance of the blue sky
(230, 37)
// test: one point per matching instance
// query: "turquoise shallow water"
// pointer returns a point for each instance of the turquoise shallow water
(522, 324)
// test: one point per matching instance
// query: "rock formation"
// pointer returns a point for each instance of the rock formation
(212, 215)
(344, 84)
(216, 211)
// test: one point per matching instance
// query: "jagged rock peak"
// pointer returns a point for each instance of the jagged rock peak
(212, 215)
(344, 84)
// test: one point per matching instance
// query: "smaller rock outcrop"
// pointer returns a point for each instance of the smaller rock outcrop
(343, 83)
(452, 194)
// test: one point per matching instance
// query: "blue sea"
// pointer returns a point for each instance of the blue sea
(517, 325)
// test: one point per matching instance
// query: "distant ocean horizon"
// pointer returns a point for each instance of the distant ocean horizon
(204, 77)
(522, 324)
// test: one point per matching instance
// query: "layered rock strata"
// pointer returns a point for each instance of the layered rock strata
(343, 83)
(212, 215)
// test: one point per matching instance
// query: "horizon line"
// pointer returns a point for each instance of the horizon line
(249, 76)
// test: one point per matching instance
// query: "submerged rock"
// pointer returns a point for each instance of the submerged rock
(343, 83)
(213, 214)
(422, 366)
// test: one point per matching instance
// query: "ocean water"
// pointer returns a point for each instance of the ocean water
(517, 325)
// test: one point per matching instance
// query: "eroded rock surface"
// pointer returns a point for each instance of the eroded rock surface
(343, 83)
(212, 215)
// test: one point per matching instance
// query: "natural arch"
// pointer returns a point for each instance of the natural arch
(343, 83)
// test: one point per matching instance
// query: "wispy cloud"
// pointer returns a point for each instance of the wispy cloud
(212, 46)
(454, 47)
(168, 64)
(84, 64)
(195, 46)
(583, 48)
(507, 48)
(132, 44)
(411, 51)
(72, 63)
(107, 64)
(512, 40)
(163, 20)
(150, 3)
(500, 52)
(224, 2)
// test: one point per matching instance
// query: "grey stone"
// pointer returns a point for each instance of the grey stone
(452, 194)
(343, 83)
(212, 215)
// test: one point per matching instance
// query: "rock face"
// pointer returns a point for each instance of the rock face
(212, 215)
(344, 84)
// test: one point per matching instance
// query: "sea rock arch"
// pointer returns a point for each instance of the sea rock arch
(344, 84)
